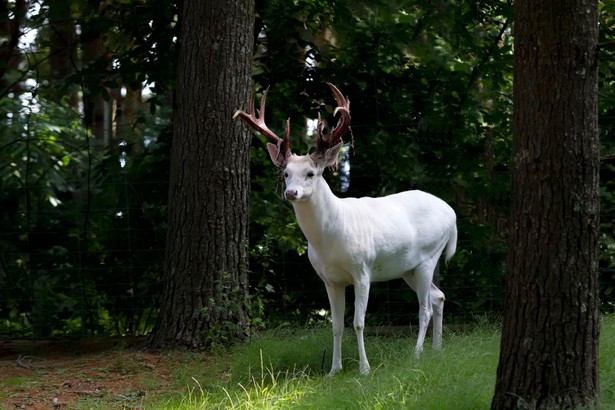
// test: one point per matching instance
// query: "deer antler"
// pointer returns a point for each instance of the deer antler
(257, 123)
(343, 107)
(323, 142)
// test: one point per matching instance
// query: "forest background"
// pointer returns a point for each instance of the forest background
(86, 97)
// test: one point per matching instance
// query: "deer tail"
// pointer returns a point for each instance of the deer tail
(451, 245)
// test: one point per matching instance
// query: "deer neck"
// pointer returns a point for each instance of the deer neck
(318, 215)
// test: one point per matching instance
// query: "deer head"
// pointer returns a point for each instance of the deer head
(303, 172)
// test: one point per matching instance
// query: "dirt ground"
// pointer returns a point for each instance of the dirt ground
(71, 374)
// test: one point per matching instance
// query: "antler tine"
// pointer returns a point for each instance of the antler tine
(257, 123)
(335, 136)
(343, 107)
(285, 144)
(322, 141)
(339, 97)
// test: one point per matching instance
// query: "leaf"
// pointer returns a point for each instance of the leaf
(461, 67)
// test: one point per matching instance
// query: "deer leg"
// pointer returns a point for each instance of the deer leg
(425, 312)
(361, 296)
(437, 302)
(421, 281)
(337, 300)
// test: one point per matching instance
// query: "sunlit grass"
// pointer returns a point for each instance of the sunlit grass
(286, 369)
(607, 363)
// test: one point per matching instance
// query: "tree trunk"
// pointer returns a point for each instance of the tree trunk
(62, 41)
(549, 353)
(10, 30)
(205, 270)
(97, 109)
(63, 53)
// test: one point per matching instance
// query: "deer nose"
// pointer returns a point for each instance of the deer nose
(291, 194)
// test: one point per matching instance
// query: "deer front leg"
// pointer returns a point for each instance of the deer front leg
(337, 296)
(361, 294)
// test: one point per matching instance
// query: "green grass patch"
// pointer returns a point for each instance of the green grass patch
(286, 369)
(607, 363)
(16, 381)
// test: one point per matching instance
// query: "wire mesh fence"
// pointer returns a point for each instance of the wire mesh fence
(92, 266)
(83, 231)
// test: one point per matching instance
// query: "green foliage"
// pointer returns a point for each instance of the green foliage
(430, 86)
(84, 221)
(607, 171)
(39, 153)
(68, 262)
(143, 44)
(431, 92)
(128, 226)
(230, 303)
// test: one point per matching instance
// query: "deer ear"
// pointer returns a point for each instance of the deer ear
(274, 154)
(329, 157)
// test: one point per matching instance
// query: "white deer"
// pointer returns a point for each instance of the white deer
(357, 241)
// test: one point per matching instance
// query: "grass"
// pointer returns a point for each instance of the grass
(284, 369)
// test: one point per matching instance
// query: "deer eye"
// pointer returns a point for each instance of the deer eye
(310, 174)
(286, 175)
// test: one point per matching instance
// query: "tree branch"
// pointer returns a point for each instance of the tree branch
(606, 44)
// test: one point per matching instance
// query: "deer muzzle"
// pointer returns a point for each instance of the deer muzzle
(291, 194)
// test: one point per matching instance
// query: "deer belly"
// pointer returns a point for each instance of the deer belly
(345, 271)
(392, 266)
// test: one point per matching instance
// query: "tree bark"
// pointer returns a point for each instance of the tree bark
(205, 271)
(12, 18)
(62, 40)
(549, 353)
(97, 110)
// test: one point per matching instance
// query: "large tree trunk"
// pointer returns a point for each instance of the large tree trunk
(549, 353)
(205, 269)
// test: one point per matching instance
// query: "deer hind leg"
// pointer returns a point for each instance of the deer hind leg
(361, 294)
(421, 281)
(337, 300)
(437, 303)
